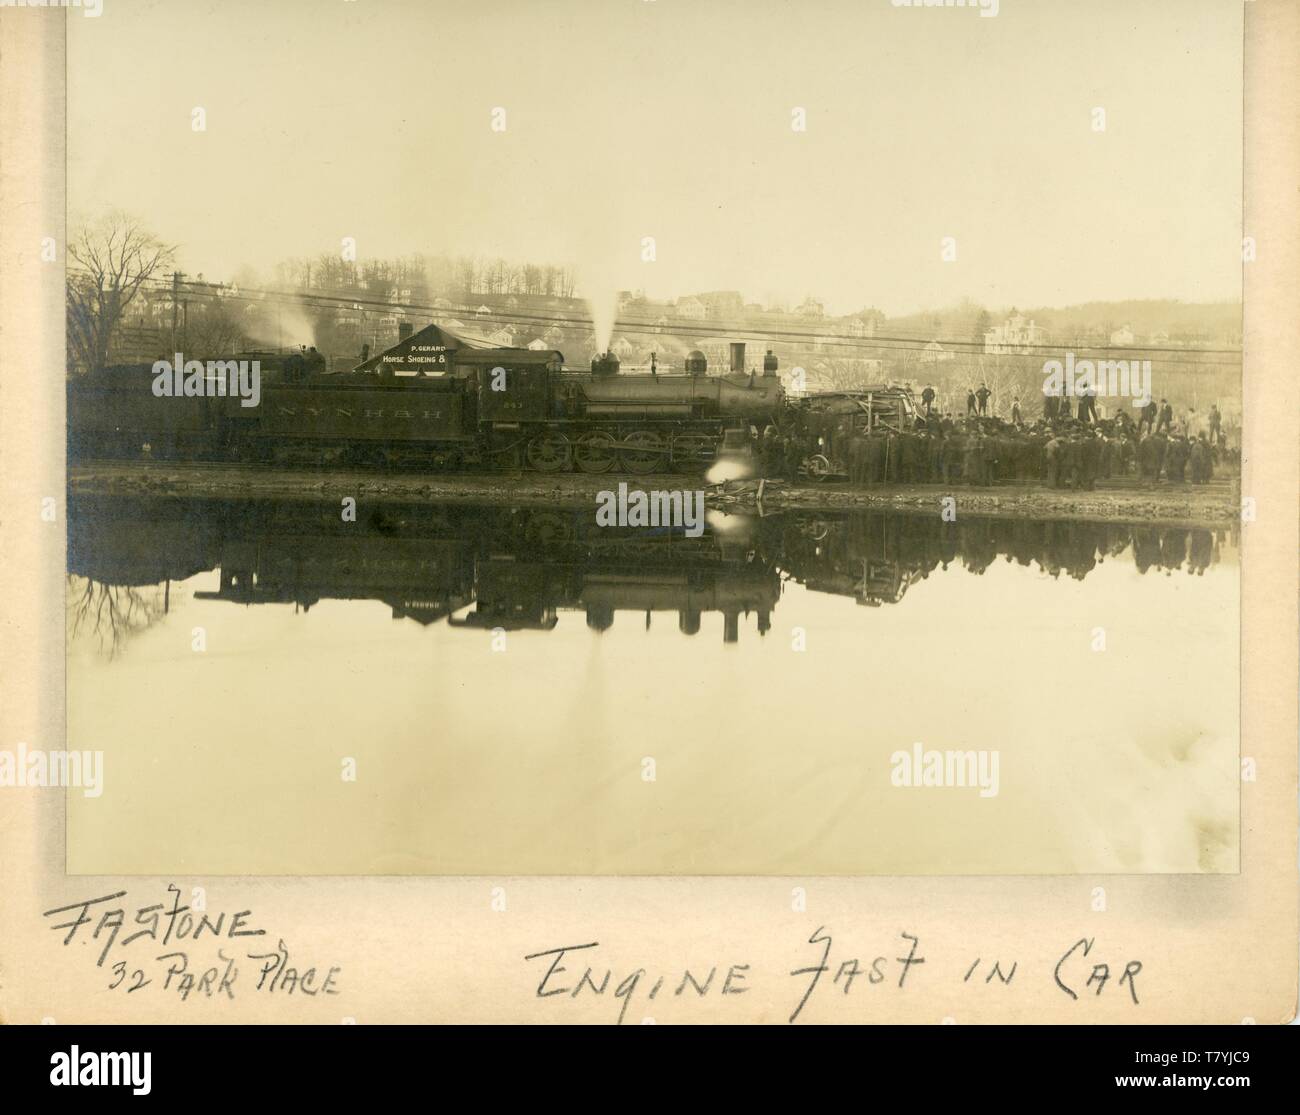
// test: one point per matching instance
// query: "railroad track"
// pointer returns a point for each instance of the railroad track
(234, 479)
(159, 468)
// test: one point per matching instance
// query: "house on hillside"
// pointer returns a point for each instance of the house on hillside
(1014, 335)
(716, 352)
(935, 353)
(722, 303)
(1122, 336)
(858, 326)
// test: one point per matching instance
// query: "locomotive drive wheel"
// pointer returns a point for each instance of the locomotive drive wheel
(819, 468)
(642, 451)
(547, 526)
(693, 450)
(595, 452)
(549, 452)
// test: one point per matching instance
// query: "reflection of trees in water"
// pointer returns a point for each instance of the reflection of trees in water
(518, 566)
(875, 557)
(111, 614)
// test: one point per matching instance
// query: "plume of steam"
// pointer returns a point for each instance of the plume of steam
(600, 288)
(603, 266)
(283, 326)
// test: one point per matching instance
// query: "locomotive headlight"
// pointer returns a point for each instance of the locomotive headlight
(728, 468)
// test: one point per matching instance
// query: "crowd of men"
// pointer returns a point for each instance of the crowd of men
(1065, 448)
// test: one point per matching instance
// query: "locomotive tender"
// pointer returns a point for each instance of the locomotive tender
(435, 402)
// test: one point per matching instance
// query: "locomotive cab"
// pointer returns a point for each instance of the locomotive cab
(513, 388)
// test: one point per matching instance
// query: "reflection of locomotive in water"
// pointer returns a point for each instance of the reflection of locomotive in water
(435, 402)
(569, 563)
(518, 568)
(515, 569)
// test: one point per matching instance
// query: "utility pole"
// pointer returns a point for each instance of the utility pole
(176, 294)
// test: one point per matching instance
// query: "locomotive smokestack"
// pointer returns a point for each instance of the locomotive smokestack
(769, 364)
(604, 364)
(738, 358)
(696, 364)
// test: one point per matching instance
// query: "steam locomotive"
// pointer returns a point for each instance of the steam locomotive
(437, 405)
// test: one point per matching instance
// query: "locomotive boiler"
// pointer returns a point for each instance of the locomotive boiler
(642, 423)
(736, 394)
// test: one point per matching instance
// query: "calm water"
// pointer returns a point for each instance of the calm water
(505, 681)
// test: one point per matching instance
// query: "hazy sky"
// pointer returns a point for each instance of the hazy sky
(672, 119)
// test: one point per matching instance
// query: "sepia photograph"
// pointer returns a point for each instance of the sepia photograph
(748, 472)
(649, 511)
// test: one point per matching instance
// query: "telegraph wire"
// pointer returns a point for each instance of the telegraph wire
(687, 329)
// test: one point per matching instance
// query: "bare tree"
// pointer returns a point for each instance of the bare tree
(111, 260)
(843, 373)
(215, 330)
(111, 614)
(468, 274)
(498, 276)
